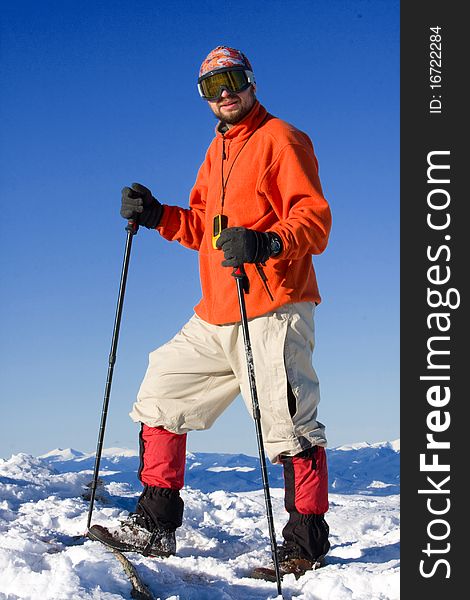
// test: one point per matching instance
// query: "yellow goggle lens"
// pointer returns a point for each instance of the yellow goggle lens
(234, 81)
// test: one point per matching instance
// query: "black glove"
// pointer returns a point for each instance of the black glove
(242, 245)
(139, 204)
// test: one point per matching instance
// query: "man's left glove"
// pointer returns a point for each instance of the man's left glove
(138, 203)
(241, 245)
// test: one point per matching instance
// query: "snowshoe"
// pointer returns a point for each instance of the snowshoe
(133, 536)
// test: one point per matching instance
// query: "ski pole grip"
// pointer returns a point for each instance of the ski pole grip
(132, 226)
(238, 272)
(240, 276)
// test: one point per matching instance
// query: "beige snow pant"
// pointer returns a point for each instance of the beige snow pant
(194, 377)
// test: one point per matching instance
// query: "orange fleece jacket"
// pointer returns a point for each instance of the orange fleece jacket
(273, 186)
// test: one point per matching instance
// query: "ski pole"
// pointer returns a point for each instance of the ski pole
(241, 280)
(131, 229)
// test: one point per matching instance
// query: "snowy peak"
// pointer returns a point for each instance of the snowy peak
(62, 454)
(395, 445)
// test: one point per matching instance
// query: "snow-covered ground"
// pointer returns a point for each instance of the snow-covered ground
(223, 537)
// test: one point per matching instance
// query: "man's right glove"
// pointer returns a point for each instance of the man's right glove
(138, 204)
(241, 245)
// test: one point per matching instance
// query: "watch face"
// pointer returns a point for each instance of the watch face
(275, 245)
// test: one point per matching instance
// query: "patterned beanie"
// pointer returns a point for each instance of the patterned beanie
(223, 57)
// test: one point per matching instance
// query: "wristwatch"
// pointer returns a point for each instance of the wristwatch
(275, 244)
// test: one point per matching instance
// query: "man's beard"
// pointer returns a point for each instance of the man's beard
(237, 115)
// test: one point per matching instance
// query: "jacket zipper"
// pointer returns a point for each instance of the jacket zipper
(264, 279)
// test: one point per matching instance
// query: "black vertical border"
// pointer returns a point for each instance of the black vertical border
(422, 132)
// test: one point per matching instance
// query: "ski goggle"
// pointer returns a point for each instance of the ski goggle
(212, 84)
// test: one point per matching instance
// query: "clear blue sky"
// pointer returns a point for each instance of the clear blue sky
(98, 94)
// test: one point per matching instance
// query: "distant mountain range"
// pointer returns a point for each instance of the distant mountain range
(362, 468)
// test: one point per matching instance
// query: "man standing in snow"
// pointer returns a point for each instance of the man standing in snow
(257, 202)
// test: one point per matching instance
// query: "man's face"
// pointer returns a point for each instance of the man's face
(232, 108)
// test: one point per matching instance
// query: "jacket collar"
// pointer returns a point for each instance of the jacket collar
(244, 128)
